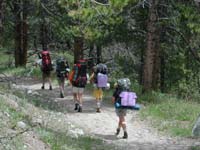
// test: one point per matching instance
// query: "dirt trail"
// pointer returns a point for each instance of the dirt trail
(103, 125)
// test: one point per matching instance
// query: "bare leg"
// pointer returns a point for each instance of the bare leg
(80, 100)
(43, 80)
(76, 101)
(49, 79)
(123, 124)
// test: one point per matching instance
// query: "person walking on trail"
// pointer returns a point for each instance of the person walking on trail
(99, 79)
(123, 99)
(78, 78)
(46, 68)
(62, 71)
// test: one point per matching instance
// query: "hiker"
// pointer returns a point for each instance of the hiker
(78, 78)
(46, 68)
(99, 79)
(62, 71)
(123, 99)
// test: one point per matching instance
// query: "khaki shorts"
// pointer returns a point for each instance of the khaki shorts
(77, 90)
(120, 112)
(98, 93)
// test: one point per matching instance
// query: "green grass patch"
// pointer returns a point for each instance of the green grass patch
(63, 141)
(195, 148)
(171, 115)
(14, 115)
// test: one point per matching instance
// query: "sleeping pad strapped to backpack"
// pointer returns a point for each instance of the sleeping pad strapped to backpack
(127, 98)
(101, 77)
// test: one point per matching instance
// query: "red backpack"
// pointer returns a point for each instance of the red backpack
(80, 74)
(46, 61)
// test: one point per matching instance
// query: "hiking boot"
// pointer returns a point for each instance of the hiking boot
(80, 109)
(76, 106)
(117, 131)
(50, 88)
(98, 110)
(61, 95)
(125, 135)
(42, 87)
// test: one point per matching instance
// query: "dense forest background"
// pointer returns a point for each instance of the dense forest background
(153, 42)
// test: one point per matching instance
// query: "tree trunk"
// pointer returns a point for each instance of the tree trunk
(43, 34)
(18, 34)
(25, 34)
(78, 48)
(1, 20)
(99, 51)
(21, 32)
(44, 38)
(141, 66)
(162, 73)
(91, 57)
(151, 59)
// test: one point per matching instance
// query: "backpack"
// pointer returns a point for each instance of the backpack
(61, 67)
(124, 84)
(101, 77)
(46, 61)
(80, 74)
(126, 100)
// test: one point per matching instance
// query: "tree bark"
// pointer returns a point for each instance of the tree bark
(162, 73)
(91, 57)
(25, 34)
(78, 48)
(44, 34)
(18, 34)
(151, 59)
(99, 51)
(21, 32)
(1, 20)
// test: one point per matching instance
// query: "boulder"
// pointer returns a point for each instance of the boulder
(196, 128)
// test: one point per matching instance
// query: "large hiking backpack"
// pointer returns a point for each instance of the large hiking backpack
(127, 98)
(46, 61)
(101, 77)
(80, 74)
(61, 67)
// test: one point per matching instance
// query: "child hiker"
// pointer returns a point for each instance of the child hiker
(99, 79)
(123, 100)
(62, 71)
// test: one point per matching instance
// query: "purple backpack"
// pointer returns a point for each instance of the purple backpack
(128, 99)
(102, 80)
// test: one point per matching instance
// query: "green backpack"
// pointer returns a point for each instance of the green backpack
(61, 67)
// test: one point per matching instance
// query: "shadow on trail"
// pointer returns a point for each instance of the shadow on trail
(50, 99)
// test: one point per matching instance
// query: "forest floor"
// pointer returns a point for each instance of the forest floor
(141, 135)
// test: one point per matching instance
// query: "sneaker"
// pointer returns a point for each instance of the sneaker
(42, 87)
(50, 88)
(98, 110)
(80, 109)
(117, 131)
(61, 95)
(125, 135)
(76, 106)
